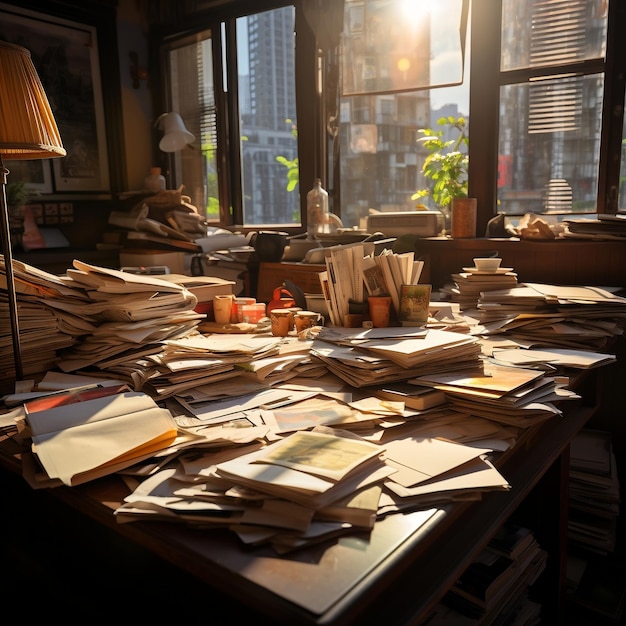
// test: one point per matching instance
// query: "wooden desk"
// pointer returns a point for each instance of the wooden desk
(396, 575)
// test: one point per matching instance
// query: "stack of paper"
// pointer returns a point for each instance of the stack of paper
(540, 315)
(511, 395)
(310, 485)
(351, 275)
(471, 283)
(43, 331)
(374, 356)
(130, 314)
(101, 433)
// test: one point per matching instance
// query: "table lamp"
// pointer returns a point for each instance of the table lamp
(27, 131)
(175, 133)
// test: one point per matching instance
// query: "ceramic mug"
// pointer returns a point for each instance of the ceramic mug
(222, 308)
(281, 321)
(307, 319)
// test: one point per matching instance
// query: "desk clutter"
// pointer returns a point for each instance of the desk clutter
(288, 440)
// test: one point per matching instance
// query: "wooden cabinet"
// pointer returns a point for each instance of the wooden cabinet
(563, 262)
(272, 275)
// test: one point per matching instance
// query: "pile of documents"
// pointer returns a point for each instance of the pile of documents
(131, 314)
(351, 275)
(514, 396)
(363, 357)
(470, 283)
(310, 484)
(43, 330)
(540, 315)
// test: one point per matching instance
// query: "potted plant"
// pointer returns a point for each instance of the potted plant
(17, 195)
(446, 164)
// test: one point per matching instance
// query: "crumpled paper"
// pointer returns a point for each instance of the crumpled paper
(530, 226)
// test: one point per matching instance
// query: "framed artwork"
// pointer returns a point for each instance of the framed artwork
(36, 174)
(65, 54)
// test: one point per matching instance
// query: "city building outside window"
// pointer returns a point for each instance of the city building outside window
(545, 125)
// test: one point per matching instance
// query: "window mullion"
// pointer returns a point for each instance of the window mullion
(232, 214)
(613, 111)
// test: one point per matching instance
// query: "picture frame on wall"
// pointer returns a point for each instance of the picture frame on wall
(65, 54)
(36, 174)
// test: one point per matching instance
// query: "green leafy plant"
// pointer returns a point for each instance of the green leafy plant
(447, 162)
(17, 194)
(292, 165)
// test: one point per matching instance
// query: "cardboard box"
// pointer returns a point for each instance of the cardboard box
(394, 224)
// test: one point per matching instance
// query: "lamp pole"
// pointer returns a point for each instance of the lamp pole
(8, 270)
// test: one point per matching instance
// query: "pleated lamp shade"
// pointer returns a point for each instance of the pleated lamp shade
(27, 126)
(175, 134)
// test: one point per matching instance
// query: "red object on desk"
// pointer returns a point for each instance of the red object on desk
(281, 299)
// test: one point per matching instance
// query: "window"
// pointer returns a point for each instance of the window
(551, 101)
(392, 53)
(256, 137)
(285, 95)
(191, 93)
(268, 120)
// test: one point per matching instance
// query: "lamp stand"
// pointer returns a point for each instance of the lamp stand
(8, 270)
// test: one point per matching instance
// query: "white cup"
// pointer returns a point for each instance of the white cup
(487, 264)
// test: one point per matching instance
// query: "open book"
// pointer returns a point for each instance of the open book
(85, 440)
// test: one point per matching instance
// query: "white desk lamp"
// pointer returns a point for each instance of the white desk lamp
(175, 133)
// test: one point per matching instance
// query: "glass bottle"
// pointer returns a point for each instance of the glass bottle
(155, 181)
(317, 215)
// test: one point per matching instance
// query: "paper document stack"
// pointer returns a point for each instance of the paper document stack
(79, 438)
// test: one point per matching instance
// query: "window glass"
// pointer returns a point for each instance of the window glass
(381, 160)
(192, 95)
(538, 33)
(267, 102)
(550, 120)
(549, 145)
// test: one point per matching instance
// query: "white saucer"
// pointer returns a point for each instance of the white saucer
(500, 270)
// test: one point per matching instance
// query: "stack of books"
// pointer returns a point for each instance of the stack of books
(494, 588)
(594, 494)
(472, 282)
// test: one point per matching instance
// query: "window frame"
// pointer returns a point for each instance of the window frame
(485, 79)
(222, 26)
